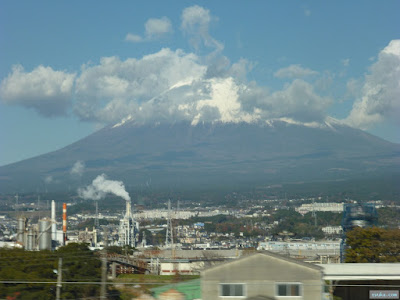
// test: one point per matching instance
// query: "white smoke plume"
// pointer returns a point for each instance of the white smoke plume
(48, 179)
(77, 169)
(101, 186)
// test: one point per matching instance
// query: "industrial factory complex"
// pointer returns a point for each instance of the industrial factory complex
(50, 233)
(58, 230)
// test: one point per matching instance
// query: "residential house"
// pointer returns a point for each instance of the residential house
(263, 275)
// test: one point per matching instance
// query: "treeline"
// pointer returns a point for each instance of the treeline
(32, 274)
(373, 245)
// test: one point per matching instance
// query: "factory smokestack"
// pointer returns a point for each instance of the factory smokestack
(53, 221)
(64, 222)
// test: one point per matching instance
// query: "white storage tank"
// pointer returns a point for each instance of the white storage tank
(45, 234)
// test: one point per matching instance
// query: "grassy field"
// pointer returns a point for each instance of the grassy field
(133, 285)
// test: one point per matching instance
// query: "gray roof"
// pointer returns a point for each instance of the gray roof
(361, 271)
(271, 254)
(196, 254)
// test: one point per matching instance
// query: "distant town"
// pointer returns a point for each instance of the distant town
(178, 237)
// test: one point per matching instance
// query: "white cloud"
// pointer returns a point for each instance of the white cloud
(154, 29)
(106, 92)
(294, 71)
(346, 62)
(353, 88)
(158, 27)
(43, 89)
(324, 81)
(170, 86)
(380, 93)
(134, 38)
(307, 12)
(297, 100)
(195, 23)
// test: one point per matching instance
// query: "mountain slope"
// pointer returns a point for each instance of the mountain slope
(225, 153)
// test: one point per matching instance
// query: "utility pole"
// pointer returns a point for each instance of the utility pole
(59, 279)
(103, 289)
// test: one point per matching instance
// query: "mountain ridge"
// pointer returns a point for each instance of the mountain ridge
(181, 154)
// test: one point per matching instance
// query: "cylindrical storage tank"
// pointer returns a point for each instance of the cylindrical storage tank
(45, 234)
(21, 230)
(29, 243)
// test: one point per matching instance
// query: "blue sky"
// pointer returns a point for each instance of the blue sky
(69, 68)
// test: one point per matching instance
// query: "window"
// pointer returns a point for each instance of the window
(288, 289)
(232, 290)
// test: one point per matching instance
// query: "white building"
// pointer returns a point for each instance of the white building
(332, 229)
(327, 206)
(163, 214)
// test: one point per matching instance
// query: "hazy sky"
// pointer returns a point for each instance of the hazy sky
(69, 68)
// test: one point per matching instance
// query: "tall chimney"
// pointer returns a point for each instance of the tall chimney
(64, 222)
(128, 212)
(53, 221)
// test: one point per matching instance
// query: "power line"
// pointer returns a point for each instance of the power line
(167, 283)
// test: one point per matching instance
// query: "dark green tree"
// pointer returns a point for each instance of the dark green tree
(23, 274)
(18, 266)
(373, 245)
(79, 265)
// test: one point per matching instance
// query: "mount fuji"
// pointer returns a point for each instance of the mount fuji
(185, 154)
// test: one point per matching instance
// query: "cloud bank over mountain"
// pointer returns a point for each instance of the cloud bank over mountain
(380, 93)
(176, 85)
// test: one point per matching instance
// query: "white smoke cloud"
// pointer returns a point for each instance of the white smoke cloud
(43, 89)
(380, 93)
(48, 179)
(101, 186)
(78, 168)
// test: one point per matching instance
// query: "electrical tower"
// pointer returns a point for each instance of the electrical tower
(169, 236)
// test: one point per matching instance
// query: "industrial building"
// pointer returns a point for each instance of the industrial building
(128, 228)
(44, 235)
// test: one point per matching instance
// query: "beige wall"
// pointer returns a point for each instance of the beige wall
(260, 273)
